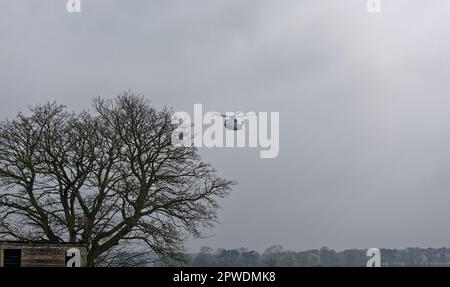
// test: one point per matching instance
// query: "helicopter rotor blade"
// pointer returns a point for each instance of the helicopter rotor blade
(239, 115)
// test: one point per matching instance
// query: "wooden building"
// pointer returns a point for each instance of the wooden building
(36, 254)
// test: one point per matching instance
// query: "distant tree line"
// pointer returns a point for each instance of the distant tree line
(276, 256)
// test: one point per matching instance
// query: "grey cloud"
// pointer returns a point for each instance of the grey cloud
(363, 102)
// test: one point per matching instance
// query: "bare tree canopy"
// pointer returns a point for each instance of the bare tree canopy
(111, 179)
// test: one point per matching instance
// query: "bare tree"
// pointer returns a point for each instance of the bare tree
(112, 180)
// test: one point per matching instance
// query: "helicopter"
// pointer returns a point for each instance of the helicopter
(235, 121)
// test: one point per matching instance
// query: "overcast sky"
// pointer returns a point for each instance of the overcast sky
(364, 102)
